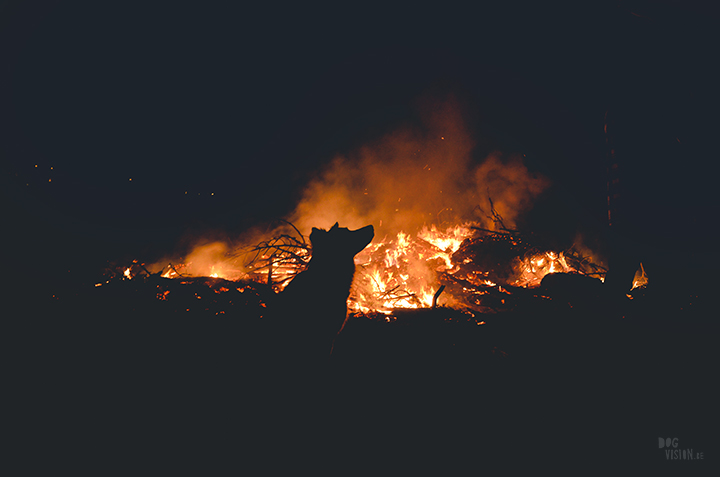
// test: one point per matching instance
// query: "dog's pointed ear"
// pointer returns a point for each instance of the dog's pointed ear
(316, 236)
(334, 226)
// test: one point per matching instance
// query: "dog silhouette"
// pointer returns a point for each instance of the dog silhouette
(312, 309)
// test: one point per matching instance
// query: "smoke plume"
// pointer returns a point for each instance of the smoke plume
(418, 176)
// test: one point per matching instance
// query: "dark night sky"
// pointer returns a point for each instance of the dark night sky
(246, 103)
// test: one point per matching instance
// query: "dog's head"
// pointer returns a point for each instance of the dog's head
(341, 242)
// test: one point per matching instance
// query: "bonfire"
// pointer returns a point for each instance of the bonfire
(464, 267)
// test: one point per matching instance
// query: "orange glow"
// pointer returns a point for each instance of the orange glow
(404, 184)
(640, 279)
(531, 270)
(399, 271)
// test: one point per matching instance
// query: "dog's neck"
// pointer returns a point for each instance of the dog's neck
(320, 263)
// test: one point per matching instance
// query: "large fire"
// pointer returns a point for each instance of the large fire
(399, 183)
(407, 271)
(404, 271)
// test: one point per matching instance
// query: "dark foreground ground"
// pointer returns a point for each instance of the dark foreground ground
(108, 379)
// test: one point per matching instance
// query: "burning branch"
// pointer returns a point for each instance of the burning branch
(283, 257)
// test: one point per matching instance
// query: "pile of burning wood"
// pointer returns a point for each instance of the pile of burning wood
(465, 268)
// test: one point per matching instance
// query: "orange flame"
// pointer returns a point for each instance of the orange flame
(640, 279)
(400, 271)
(531, 270)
